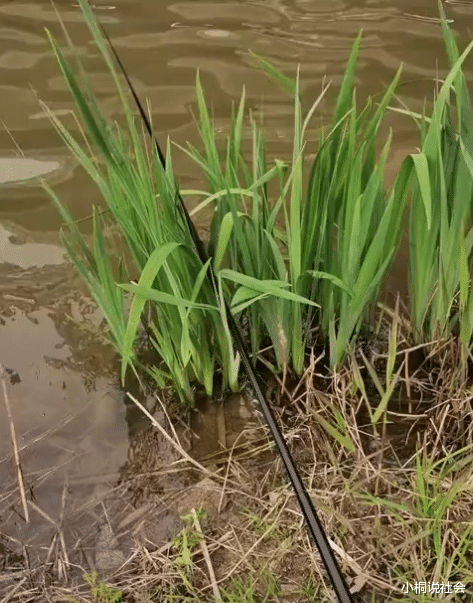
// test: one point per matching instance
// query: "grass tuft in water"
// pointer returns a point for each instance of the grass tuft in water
(440, 229)
(322, 270)
(273, 277)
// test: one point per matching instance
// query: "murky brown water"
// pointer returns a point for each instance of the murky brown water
(58, 370)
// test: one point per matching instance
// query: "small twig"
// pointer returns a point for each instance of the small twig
(163, 432)
(205, 552)
(19, 471)
(61, 519)
(9, 595)
(163, 408)
(359, 570)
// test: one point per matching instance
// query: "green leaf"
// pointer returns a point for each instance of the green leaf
(421, 167)
(153, 266)
(343, 439)
(226, 228)
(275, 74)
(274, 288)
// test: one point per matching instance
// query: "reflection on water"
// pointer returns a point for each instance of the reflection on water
(56, 369)
(180, 37)
(18, 169)
(66, 404)
(15, 251)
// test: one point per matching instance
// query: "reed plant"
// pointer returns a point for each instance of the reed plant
(323, 269)
(186, 321)
(340, 231)
(343, 230)
(440, 228)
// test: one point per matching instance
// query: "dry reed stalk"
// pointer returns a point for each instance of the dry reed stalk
(208, 561)
(16, 454)
(173, 443)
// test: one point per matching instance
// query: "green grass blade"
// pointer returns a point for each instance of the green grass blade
(154, 264)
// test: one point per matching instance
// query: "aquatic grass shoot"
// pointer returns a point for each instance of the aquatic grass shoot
(346, 198)
(185, 320)
(185, 316)
(440, 229)
(336, 284)
(321, 272)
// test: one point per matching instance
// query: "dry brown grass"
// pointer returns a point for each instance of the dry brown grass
(388, 516)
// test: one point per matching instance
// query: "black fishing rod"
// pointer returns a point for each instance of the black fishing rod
(305, 503)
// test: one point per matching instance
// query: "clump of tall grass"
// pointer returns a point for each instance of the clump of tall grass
(324, 268)
(344, 198)
(281, 281)
(185, 319)
(440, 229)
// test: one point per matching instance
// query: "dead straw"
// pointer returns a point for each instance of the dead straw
(19, 472)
